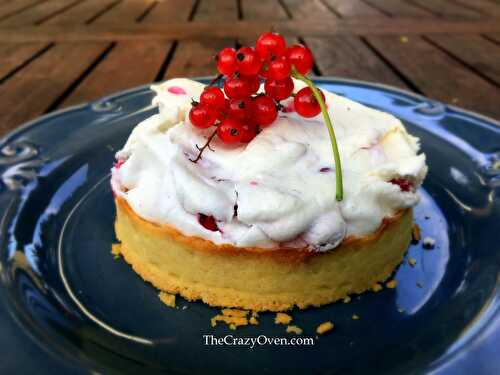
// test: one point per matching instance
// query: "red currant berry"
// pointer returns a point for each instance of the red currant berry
(240, 109)
(230, 130)
(238, 87)
(226, 61)
(249, 132)
(404, 184)
(202, 116)
(265, 111)
(248, 61)
(270, 45)
(301, 57)
(279, 90)
(254, 82)
(306, 104)
(279, 68)
(208, 222)
(264, 69)
(213, 96)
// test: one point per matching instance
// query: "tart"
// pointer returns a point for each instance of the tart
(235, 200)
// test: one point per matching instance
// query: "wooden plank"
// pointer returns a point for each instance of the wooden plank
(264, 10)
(438, 75)
(494, 37)
(353, 8)
(217, 10)
(242, 28)
(125, 13)
(399, 8)
(309, 10)
(14, 55)
(165, 10)
(13, 7)
(349, 57)
(196, 58)
(38, 13)
(481, 54)
(108, 77)
(486, 7)
(44, 80)
(81, 13)
(446, 9)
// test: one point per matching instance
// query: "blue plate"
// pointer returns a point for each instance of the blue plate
(67, 306)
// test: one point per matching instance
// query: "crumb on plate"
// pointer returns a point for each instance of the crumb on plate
(168, 299)
(377, 287)
(355, 317)
(347, 299)
(282, 318)
(116, 249)
(415, 233)
(294, 329)
(391, 284)
(324, 327)
(429, 243)
(412, 261)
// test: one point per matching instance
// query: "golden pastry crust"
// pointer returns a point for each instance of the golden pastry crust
(254, 278)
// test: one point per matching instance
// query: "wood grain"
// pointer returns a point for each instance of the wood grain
(348, 56)
(353, 8)
(126, 12)
(39, 12)
(37, 85)
(447, 9)
(196, 58)
(438, 75)
(268, 10)
(398, 8)
(241, 29)
(481, 54)
(111, 75)
(14, 55)
(14, 7)
(310, 10)
(486, 7)
(81, 13)
(164, 11)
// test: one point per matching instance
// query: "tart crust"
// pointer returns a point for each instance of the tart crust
(254, 278)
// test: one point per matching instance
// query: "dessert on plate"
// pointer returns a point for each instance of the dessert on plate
(246, 196)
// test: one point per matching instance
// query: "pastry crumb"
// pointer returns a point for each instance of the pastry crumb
(347, 299)
(167, 298)
(429, 243)
(391, 284)
(412, 261)
(282, 318)
(324, 328)
(355, 317)
(232, 321)
(235, 313)
(294, 329)
(377, 287)
(253, 320)
(415, 234)
(184, 307)
(116, 249)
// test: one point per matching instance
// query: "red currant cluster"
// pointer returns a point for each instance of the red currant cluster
(237, 111)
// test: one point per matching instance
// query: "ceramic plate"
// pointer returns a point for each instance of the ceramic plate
(68, 306)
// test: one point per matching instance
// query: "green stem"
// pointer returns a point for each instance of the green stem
(336, 156)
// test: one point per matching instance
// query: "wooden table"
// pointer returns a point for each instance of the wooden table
(56, 53)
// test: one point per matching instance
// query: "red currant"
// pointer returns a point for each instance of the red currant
(226, 61)
(230, 130)
(238, 87)
(249, 132)
(208, 222)
(270, 45)
(254, 82)
(306, 104)
(264, 69)
(248, 61)
(240, 109)
(301, 57)
(279, 90)
(404, 184)
(279, 68)
(202, 116)
(213, 96)
(265, 111)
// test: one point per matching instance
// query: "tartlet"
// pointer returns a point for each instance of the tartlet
(305, 249)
